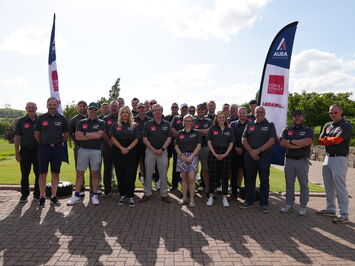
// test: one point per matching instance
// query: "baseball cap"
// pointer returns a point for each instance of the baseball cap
(297, 112)
(201, 106)
(94, 105)
(141, 105)
(184, 105)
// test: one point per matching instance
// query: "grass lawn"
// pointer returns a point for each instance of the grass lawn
(10, 172)
(6, 150)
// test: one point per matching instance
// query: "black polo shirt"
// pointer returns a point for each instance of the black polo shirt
(232, 119)
(340, 129)
(134, 112)
(149, 113)
(219, 138)
(157, 133)
(251, 117)
(177, 123)
(25, 129)
(203, 124)
(259, 133)
(90, 125)
(72, 126)
(109, 120)
(293, 132)
(211, 116)
(170, 117)
(238, 129)
(187, 141)
(51, 128)
(124, 133)
(140, 125)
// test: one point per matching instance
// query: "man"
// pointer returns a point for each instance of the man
(211, 108)
(134, 104)
(176, 126)
(51, 131)
(26, 147)
(297, 140)
(257, 140)
(88, 132)
(225, 109)
(151, 104)
(107, 148)
(156, 136)
(252, 105)
(82, 109)
(233, 113)
(202, 124)
(120, 102)
(105, 110)
(335, 137)
(238, 167)
(141, 118)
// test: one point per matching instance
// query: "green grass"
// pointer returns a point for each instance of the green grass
(6, 150)
(10, 173)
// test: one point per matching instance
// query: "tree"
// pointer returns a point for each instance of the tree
(114, 93)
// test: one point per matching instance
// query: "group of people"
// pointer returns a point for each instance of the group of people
(231, 145)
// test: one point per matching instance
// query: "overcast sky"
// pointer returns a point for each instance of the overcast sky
(183, 51)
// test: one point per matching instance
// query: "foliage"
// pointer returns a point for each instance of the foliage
(114, 93)
(11, 113)
(70, 110)
(10, 133)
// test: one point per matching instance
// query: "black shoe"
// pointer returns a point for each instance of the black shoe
(42, 201)
(131, 202)
(36, 197)
(122, 200)
(55, 201)
(23, 199)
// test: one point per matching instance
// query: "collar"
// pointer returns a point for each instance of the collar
(298, 127)
(27, 118)
(262, 122)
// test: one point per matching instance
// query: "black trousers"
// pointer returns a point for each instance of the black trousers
(107, 156)
(140, 154)
(237, 163)
(176, 178)
(218, 169)
(125, 168)
(29, 157)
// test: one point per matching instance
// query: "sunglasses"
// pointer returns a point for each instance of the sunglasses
(333, 113)
(174, 107)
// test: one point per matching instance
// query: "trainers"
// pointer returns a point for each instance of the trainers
(219, 189)
(286, 208)
(200, 188)
(144, 199)
(264, 209)
(302, 211)
(99, 192)
(210, 201)
(23, 199)
(55, 201)
(42, 202)
(246, 205)
(95, 199)
(341, 220)
(326, 212)
(36, 197)
(157, 185)
(82, 193)
(131, 202)
(121, 200)
(192, 204)
(73, 200)
(225, 202)
(107, 195)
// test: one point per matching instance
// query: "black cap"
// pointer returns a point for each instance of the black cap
(201, 106)
(297, 112)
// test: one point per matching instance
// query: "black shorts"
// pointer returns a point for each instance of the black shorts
(50, 155)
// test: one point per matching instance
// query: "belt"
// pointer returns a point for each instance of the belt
(336, 155)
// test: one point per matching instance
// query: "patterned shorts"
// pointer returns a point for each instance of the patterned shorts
(192, 166)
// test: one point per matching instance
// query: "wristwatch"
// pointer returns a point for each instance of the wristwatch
(84, 133)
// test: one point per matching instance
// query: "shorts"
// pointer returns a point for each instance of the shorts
(202, 156)
(50, 155)
(192, 166)
(88, 157)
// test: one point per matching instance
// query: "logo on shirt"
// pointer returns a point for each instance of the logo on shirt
(137, 123)
(59, 124)
(153, 128)
(27, 125)
(164, 128)
(215, 132)
(181, 137)
(118, 128)
(265, 128)
(178, 122)
(196, 126)
(290, 133)
(85, 126)
(252, 128)
(193, 136)
(109, 122)
(44, 123)
(95, 126)
(226, 133)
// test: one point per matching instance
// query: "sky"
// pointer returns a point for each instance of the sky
(170, 50)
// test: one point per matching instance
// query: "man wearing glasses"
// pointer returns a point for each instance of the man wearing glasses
(336, 138)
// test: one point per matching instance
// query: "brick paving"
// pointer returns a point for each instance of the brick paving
(156, 233)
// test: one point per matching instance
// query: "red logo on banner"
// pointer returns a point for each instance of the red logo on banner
(196, 126)
(27, 125)
(45, 123)
(252, 128)
(153, 128)
(290, 132)
(182, 136)
(215, 132)
(55, 80)
(276, 84)
(109, 122)
(118, 128)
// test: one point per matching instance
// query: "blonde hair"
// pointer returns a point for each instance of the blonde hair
(188, 116)
(130, 117)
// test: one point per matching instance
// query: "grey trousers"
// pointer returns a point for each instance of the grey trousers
(300, 169)
(162, 163)
(334, 177)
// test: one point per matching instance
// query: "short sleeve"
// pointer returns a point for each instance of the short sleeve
(18, 131)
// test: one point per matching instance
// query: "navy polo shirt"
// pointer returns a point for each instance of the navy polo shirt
(25, 129)
(187, 141)
(51, 128)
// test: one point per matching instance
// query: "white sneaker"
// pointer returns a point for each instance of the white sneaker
(95, 200)
(157, 185)
(287, 208)
(225, 202)
(73, 200)
(302, 211)
(210, 201)
(219, 189)
(200, 188)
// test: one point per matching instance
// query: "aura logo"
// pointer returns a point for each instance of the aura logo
(281, 49)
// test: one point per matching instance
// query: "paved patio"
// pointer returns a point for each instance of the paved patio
(156, 233)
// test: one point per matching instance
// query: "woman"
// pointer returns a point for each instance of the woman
(124, 136)
(220, 140)
(187, 145)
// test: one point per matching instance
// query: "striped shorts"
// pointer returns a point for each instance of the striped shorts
(192, 166)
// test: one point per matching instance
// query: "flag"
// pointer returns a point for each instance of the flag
(273, 93)
(53, 81)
